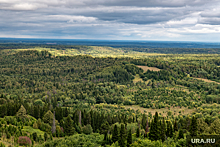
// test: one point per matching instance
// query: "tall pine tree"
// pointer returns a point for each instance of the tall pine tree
(175, 125)
(122, 136)
(143, 121)
(115, 134)
(154, 131)
(138, 132)
(162, 131)
(68, 126)
(180, 135)
(193, 127)
(129, 138)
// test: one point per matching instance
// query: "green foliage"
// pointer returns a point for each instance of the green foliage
(68, 126)
(115, 134)
(2, 145)
(202, 126)
(21, 114)
(193, 127)
(122, 136)
(104, 127)
(45, 136)
(154, 128)
(38, 102)
(215, 126)
(34, 135)
(48, 117)
(92, 140)
(87, 129)
(180, 135)
(33, 84)
(31, 130)
(170, 130)
(129, 138)
(138, 132)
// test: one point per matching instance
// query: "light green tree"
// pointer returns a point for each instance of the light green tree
(48, 117)
(21, 114)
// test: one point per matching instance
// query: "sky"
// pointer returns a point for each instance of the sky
(161, 20)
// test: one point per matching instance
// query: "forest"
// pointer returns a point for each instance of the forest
(90, 100)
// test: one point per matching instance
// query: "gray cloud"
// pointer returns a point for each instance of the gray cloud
(110, 19)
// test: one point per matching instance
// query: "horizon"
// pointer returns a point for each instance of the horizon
(112, 43)
(126, 40)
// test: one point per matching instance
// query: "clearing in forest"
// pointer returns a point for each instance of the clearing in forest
(137, 78)
(145, 68)
(206, 80)
(164, 111)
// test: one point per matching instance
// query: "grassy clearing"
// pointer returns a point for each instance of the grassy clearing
(31, 130)
(137, 79)
(163, 111)
(145, 68)
(206, 80)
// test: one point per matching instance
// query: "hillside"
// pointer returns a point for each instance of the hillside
(91, 95)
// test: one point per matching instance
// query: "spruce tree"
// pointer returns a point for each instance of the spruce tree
(104, 127)
(169, 132)
(122, 136)
(175, 126)
(45, 136)
(48, 117)
(138, 132)
(143, 121)
(129, 138)
(154, 131)
(180, 135)
(115, 134)
(21, 114)
(163, 130)
(105, 136)
(68, 126)
(193, 127)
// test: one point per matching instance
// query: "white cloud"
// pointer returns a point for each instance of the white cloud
(111, 19)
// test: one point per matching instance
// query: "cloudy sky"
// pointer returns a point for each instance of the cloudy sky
(172, 20)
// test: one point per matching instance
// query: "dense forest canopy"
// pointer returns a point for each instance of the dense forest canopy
(159, 49)
(51, 100)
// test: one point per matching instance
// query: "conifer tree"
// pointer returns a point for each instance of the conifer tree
(138, 132)
(169, 132)
(162, 131)
(68, 126)
(193, 127)
(143, 121)
(22, 113)
(180, 135)
(122, 136)
(45, 136)
(105, 136)
(175, 126)
(129, 138)
(154, 131)
(115, 134)
(104, 128)
(48, 117)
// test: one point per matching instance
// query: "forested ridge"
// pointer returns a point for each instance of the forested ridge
(166, 50)
(48, 100)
